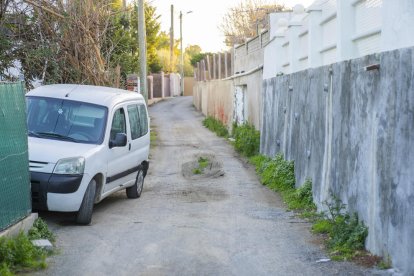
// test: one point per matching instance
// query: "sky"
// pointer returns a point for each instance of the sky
(201, 26)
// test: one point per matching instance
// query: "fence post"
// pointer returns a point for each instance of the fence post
(203, 68)
(214, 66)
(315, 35)
(225, 65)
(345, 16)
(162, 85)
(294, 28)
(219, 65)
(208, 67)
(280, 35)
(198, 71)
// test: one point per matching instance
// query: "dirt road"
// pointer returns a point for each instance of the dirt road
(193, 225)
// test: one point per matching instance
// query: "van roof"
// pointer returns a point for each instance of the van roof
(99, 95)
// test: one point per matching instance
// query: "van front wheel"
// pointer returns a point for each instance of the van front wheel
(85, 211)
(135, 190)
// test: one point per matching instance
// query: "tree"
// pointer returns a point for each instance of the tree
(246, 19)
(163, 51)
(71, 41)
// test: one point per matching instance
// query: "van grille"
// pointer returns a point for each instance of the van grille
(37, 164)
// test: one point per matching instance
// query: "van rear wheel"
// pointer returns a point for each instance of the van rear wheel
(84, 216)
(135, 190)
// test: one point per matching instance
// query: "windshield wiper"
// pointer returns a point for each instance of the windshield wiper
(33, 133)
(53, 135)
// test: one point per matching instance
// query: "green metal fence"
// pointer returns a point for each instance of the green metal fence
(15, 202)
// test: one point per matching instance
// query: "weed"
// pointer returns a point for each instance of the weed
(40, 230)
(202, 164)
(385, 263)
(18, 253)
(247, 139)
(153, 137)
(346, 232)
(216, 126)
(278, 174)
(196, 171)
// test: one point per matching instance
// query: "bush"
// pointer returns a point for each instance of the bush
(216, 126)
(247, 139)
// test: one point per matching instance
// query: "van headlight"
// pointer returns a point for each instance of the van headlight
(74, 165)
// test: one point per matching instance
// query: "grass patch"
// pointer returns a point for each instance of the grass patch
(246, 139)
(202, 164)
(216, 126)
(18, 254)
(279, 175)
(153, 137)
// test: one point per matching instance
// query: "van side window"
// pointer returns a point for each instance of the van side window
(118, 123)
(143, 118)
(134, 121)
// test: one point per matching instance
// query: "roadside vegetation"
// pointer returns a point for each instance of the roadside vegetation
(216, 126)
(18, 254)
(344, 234)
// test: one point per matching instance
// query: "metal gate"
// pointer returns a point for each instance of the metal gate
(15, 200)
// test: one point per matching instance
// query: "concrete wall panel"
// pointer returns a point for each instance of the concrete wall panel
(215, 98)
(352, 132)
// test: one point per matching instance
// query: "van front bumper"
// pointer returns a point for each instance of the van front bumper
(44, 183)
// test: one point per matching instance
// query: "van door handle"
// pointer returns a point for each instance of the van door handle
(129, 147)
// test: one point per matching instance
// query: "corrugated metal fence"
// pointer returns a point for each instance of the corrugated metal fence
(15, 202)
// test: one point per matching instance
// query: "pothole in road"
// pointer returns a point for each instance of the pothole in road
(203, 166)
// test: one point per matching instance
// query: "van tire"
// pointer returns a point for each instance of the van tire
(135, 190)
(84, 215)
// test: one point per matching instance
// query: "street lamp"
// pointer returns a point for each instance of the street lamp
(182, 53)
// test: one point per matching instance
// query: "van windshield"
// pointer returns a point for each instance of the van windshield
(66, 120)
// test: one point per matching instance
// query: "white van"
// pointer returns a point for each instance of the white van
(85, 143)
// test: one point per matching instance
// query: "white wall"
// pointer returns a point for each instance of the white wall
(331, 31)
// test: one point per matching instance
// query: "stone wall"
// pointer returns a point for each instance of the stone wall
(351, 131)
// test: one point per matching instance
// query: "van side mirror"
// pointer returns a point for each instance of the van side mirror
(119, 141)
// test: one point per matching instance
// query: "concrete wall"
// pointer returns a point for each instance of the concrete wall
(352, 132)
(175, 85)
(215, 98)
(254, 86)
(331, 31)
(398, 20)
(167, 87)
(188, 86)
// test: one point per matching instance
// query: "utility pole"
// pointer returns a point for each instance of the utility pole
(182, 55)
(171, 39)
(142, 50)
(182, 52)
